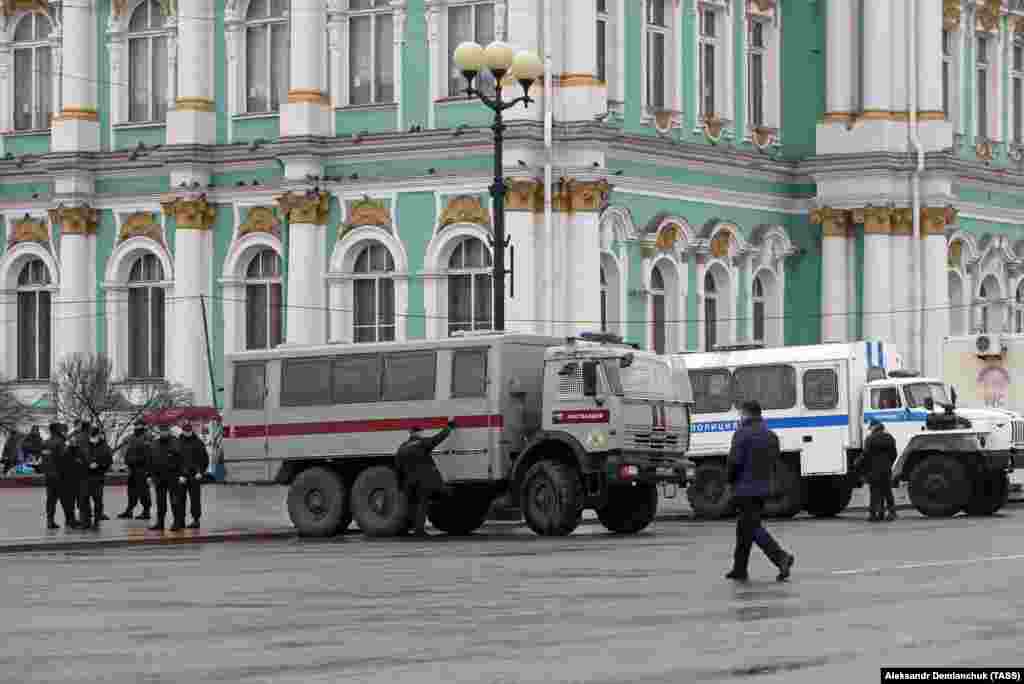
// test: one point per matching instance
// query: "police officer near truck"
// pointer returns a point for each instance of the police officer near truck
(418, 474)
(880, 454)
(136, 455)
(98, 461)
(55, 463)
(195, 461)
(166, 470)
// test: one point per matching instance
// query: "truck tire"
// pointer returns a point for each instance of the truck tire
(460, 514)
(991, 492)
(828, 497)
(787, 492)
(938, 486)
(318, 503)
(379, 504)
(710, 494)
(629, 509)
(552, 499)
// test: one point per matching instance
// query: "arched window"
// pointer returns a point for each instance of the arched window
(710, 312)
(34, 321)
(266, 55)
(263, 301)
(146, 318)
(469, 287)
(604, 300)
(759, 310)
(33, 73)
(658, 331)
(374, 319)
(147, 57)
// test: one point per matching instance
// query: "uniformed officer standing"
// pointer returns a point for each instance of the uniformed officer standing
(418, 473)
(880, 454)
(98, 460)
(166, 470)
(136, 455)
(56, 467)
(195, 460)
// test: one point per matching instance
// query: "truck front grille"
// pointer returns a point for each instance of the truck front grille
(642, 437)
(1017, 432)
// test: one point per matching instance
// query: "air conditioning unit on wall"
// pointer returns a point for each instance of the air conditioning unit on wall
(989, 345)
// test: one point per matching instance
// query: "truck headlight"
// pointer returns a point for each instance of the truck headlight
(597, 440)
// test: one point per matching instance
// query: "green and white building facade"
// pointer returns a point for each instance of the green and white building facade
(693, 173)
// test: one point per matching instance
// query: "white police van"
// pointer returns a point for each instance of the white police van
(819, 400)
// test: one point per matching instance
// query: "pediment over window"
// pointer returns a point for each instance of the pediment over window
(11, 7)
(141, 224)
(465, 209)
(259, 220)
(29, 230)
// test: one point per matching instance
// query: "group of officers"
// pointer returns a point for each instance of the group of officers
(75, 467)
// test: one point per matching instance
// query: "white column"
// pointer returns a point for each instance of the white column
(878, 55)
(307, 109)
(580, 95)
(834, 273)
(115, 303)
(193, 248)
(903, 322)
(523, 30)
(9, 333)
(234, 314)
(235, 46)
(877, 273)
(585, 276)
(523, 220)
(841, 32)
(929, 56)
(437, 59)
(899, 93)
(307, 291)
(194, 120)
(398, 24)
(74, 309)
(77, 126)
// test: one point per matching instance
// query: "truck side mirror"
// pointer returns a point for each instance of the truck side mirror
(929, 404)
(589, 379)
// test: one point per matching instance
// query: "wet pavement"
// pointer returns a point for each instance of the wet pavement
(506, 606)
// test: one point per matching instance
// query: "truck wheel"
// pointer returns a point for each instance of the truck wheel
(460, 514)
(552, 500)
(710, 494)
(828, 497)
(318, 503)
(938, 486)
(378, 504)
(787, 492)
(629, 509)
(991, 491)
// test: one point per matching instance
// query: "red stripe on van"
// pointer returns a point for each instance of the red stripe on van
(337, 427)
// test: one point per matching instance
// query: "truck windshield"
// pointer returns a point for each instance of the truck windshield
(611, 373)
(645, 379)
(918, 392)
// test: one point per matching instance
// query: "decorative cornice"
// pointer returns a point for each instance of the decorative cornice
(69, 113)
(367, 211)
(141, 224)
(465, 209)
(311, 208)
(194, 104)
(190, 213)
(259, 220)
(80, 220)
(308, 96)
(833, 222)
(29, 230)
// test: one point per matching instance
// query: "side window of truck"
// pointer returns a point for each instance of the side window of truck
(357, 379)
(249, 391)
(469, 373)
(885, 398)
(410, 376)
(712, 391)
(306, 382)
(774, 387)
(821, 389)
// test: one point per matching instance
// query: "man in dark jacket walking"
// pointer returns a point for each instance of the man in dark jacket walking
(195, 460)
(755, 449)
(57, 470)
(166, 470)
(418, 474)
(98, 461)
(136, 454)
(879, 456)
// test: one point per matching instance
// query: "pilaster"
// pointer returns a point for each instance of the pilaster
(308, 108)
(193, 119)
(76, 126)
(877, 314)
(934, 222)
(306, 308)
(835, 280)
(74, 313)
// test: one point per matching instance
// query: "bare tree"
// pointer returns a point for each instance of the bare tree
(14, 413)
(83, 388)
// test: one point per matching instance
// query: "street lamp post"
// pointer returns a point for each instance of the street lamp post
(501, 60)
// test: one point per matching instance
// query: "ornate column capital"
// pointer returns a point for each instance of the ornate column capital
(309, 208)
(79, 220)
(525, 194)
(935, 219)
(876, 220)
(951, 14)
(833, 222)
(571, 195)
(903, 221)
(189, 212)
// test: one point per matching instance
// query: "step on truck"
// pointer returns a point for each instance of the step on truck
(819, 400)
(556, 425)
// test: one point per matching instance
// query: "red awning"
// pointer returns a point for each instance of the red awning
(196, 414)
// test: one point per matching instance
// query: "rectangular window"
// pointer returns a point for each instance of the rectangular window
(469, 22)
(410, 376)
(44, 92)
(357, 379)
(469, 373)
(755, 74)
(658, 322)
(146, 348)
(257, 309)
(280, 49)
(759, 321)
(602, 40)
(657, 40)
(1017, 76)
(981, 86)
(712, 391)
(305, 382)
(250, 390)
(885, 398)
(708, 44)
(371, 53)
(710, 323)
(774, 387)
(156, 313)
(33, 335)
(24, 118)
(257, 85)
(821, 389)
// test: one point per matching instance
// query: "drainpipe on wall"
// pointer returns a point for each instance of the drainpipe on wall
(549, 233)
(917, 250)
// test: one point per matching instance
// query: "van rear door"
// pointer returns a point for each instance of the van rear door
(824, 419)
